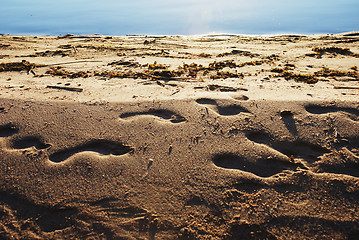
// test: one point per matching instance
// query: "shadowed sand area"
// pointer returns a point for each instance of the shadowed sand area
(196, 152)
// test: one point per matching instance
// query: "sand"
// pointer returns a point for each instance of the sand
(173, 137)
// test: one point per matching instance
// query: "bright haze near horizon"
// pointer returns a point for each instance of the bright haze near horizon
(186, 17)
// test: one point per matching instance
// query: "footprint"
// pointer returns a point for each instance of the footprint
(103, 147)
(353, 113)
(262, 167)
(342, 161)
(297, 149)
(30, 141)
(224, 110)
(8, 130)
(163, 114)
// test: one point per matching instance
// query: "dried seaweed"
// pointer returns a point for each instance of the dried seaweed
(299, 77)
(59, 71)
(18, 66)
(326, 72)
(319, 52)
(313, 78)
(238, 52)
(125, 63)
(226, 74)
(155, 66)
(49, 53)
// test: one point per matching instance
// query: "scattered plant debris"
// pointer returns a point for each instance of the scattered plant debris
(238, 52)
(204, 55)
(313, 78)
(254, 63)
(18, 66)
(226, 74)
(319, 52)
(299, 77)
(326, 72)
(4, 45)
(125, 63)
(60, 71)
(116, 74)
(336, 50)
(155, 66)
(49, 53)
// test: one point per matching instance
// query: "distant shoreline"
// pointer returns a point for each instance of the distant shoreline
(209, 35)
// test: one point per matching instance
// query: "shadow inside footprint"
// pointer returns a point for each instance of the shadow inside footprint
(103, 147)
(297, 149)
(259, 167)
(353, 113)
(225, 110)
(8, 130)
(160, 113)
(289, 122)
(206, 101)
(29, 142)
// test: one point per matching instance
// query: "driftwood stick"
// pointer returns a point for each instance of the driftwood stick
(73, 89)
(83, 61)
(345, 87)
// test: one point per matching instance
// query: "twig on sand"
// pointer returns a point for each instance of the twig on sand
(83, 61)
(345, 87)
(73, 89)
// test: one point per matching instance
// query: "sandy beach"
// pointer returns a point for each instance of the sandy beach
(174, 137)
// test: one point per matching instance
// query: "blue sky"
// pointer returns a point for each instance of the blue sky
(115, 17)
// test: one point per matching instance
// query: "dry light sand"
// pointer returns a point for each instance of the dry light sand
(208, 137)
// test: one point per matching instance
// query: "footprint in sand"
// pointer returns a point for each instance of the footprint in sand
(101, 146)
(8, 130)
(221, 109)
(262, 167)
(28, 142)
(160, 114)
(351, 143)
(297, 149)
(352, 113)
